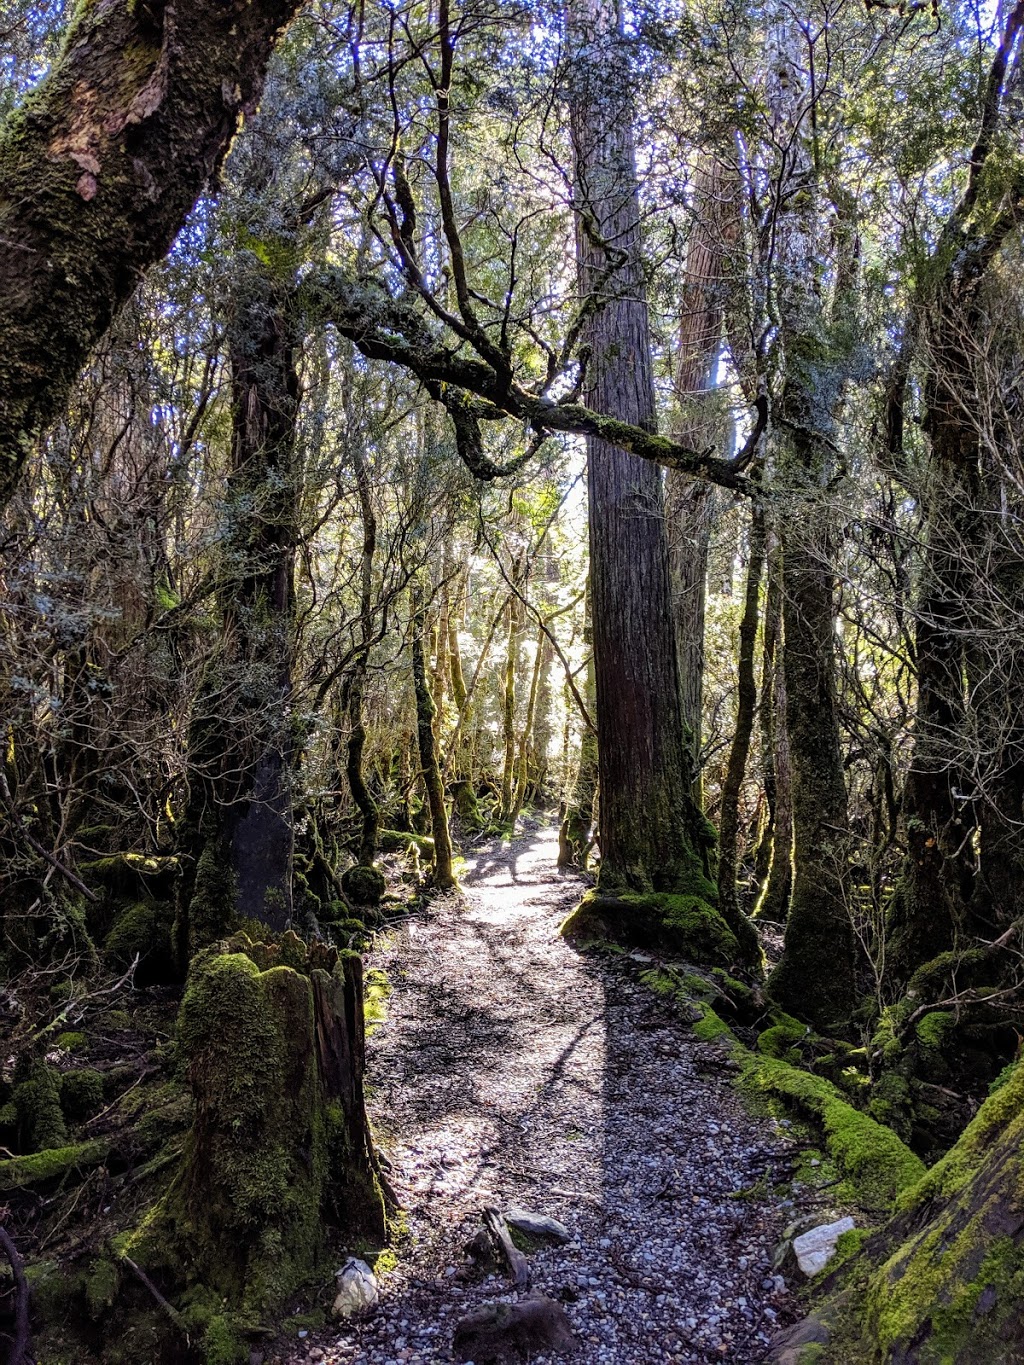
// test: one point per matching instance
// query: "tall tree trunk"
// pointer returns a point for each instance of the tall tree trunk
(777, 875)
(444, 875)
(652, 834)
(927, 912)
(98, 171)
(690, 503)
(361, 793)
(508, 704)
(814, 978)
(257, 593)
(526, 740)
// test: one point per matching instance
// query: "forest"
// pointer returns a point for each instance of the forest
(511, 515)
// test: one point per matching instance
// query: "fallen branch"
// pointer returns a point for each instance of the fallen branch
(20, 1343)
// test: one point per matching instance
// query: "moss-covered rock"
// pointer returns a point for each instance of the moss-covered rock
(143, 930)
(364, 885)
(685, 925)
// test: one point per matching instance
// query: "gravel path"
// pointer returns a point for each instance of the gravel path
(513, 1070)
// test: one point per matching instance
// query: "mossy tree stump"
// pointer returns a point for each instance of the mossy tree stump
(279, 1153)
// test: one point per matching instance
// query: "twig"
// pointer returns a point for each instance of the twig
(41, 849)
(113, 1103)
(168, 1308)
(20, 1344)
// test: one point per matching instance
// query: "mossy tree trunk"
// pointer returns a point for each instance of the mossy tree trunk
(444, 875)
(814, 978)
(99, 167)
(944, 1279)
(774, 860)
(239, 825)
(927, 913)
(690, 503)
(361, 793)
(652, 835)
(526, 739)
(508, 698)
(578, 803)
(257, 591)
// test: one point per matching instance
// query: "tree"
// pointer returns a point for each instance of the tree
(100, 166)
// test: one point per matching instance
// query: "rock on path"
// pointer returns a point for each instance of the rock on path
(513, 1070)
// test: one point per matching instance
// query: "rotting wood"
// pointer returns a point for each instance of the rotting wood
(518, 1265)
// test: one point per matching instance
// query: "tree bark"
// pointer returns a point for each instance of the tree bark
(361, 793)
(652, 835)
(98, 169)
(814, 978)
(444, 875)
(690, 503)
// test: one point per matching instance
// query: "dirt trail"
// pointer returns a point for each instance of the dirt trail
(513, 1070)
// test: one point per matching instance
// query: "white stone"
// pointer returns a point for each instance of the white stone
(357, 1289)
(813, 1250)
(538, 1225)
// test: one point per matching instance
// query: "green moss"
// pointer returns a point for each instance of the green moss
(222, 1342)
(143, 930)
(211, 909)
(267, 1154)
(934, 978)
(364, 885)
(376, 992)
(133, 874)
(52, 1164)
(782, 1039)
(685, 925)
(877, 1163)
(398, 841)
(37, 1100)
(72, 1042)
(962, 1162)
(81, 1094)
(891, 1103)
(1002, 1078)
(933, 1029)
(710, 1027)
(101, 1285)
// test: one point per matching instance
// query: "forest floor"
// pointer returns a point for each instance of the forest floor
(512, 1070)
